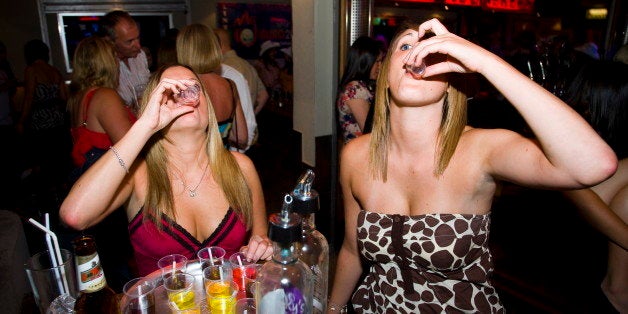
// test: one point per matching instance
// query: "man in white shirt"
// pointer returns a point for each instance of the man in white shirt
(124, 32)
(245, 101)
(259, 95)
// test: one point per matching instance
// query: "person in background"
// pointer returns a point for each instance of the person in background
(229, 57)
(198, 47)
(600, 93)
(418, 189)
(99, 119)
(356, 89)
(269, 66)
(124, 32)
(181, 189)
(42, 120)
(229, 72)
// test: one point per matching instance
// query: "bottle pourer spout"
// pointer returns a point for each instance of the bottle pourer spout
(285, 209)
(304, 184)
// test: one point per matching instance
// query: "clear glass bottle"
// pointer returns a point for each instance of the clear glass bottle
(96, 296)
(313, 249)
(284, 284)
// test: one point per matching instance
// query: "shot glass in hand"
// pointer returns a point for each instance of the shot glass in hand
(189, 96)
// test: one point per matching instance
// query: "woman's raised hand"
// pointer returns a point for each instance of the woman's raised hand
(161, 108)
(460, 55)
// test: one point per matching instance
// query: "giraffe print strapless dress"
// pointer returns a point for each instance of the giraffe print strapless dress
(435, 263)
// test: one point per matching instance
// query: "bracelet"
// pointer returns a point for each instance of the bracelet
(332, 307)
(120, 161)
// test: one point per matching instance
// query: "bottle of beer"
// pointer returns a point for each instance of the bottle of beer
(95, 295)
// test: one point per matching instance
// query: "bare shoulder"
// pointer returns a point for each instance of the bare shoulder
(356, 150)
(244, 162)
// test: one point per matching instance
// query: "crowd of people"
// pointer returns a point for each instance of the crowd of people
(161, 152)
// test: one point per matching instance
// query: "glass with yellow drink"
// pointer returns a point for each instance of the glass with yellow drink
(221, 296)
(180, 290)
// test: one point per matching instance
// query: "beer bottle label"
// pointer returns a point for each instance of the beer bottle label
(91, 276)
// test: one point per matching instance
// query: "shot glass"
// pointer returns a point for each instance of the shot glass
(246, 306)
(213, 273)
(244, 277)
(172, 264)
(180, 291)
(212, 255)
(188, 96)
(239, 259)
(221, 297)
(140, 296)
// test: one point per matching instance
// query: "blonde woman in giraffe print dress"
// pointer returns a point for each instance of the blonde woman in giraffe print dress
(417, 190)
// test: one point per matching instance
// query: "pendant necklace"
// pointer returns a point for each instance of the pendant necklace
(192, 192)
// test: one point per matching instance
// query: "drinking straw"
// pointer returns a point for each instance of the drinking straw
(174, 265)
(53, 260)
(64, 289)
(239, 260)
(211, 257)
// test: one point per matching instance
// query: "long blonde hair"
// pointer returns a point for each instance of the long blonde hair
(199, 48)
(225, 169)
(453, 122)
(94, 65)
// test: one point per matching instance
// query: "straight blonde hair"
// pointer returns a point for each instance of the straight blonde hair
(94, 65)
(453, 122)
(225, 169)
(198, 47)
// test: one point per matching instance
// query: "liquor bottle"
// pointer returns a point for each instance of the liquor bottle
(95, 295)
(313, 249)
(284, 284)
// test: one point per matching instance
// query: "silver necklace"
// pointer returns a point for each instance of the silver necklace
(192, 192)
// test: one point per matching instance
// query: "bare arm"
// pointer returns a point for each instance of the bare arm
(600, 215)
(348, 265)
(258, 247)
(29, 91)
(105, 186)
(605, 206)
(239, 132)
(570, 154)
(111, 114)
(360, 109)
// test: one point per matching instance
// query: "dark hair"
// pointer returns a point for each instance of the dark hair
(36, 50)
(600, 93)
(110, 20)
(361, 57)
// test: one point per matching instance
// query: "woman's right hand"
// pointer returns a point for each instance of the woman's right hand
(161, 109)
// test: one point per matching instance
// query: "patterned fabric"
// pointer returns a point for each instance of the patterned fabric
(435, 263)
(349, 125)
(151, 244)
(48, 108)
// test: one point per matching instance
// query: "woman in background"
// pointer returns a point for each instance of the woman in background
(600, 93)
(42, 120)
(98, 115)
(199, 48)
(356, 88)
